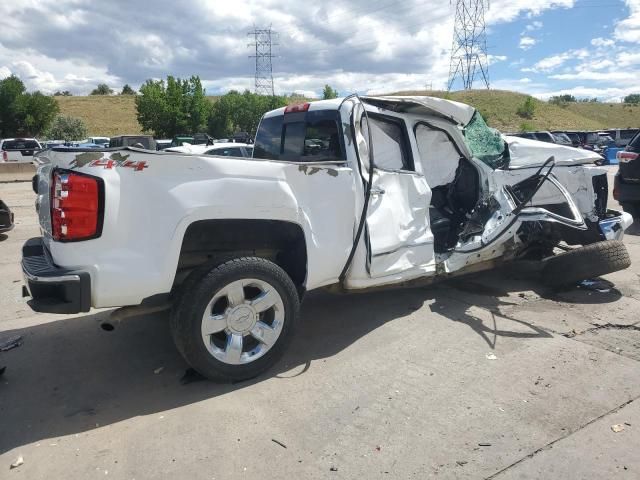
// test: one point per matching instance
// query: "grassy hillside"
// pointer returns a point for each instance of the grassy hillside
(116, 115)
(104, 115)
(500, 108)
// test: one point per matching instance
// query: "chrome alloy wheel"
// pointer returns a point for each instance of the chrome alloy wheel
(242, 321)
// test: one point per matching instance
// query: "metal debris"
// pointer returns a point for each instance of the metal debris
(278, 442)
(19, 461)
(491, 356)
(596, 285)
(617, 428)
(158, 370)
(10, 342)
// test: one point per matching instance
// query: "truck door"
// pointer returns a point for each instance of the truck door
(397, 234)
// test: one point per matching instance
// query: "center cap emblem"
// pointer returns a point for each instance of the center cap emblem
(242, 319)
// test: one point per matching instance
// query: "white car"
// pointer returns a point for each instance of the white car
(102, 141)
(18, 149)
(227, 149)
(391, 191)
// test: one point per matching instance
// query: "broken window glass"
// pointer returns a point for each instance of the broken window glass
(486, 143)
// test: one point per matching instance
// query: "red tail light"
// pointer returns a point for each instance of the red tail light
(300, 107)
(76, 207)
(626, 157)
(5, 156)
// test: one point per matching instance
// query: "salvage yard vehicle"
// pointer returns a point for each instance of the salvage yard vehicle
(396, 191)
(626, 189)
(6, 218)
(18, 149)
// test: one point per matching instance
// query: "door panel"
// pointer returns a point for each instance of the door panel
(398, 230)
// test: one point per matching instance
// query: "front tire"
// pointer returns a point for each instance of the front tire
(590, 261)
(235, 321)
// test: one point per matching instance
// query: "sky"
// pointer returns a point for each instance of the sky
(588, 48)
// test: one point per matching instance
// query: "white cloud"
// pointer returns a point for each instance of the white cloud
(533, 26)
(602, 42)
(527, 42)
(628, 30)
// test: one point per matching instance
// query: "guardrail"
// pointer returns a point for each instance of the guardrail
(17, 172)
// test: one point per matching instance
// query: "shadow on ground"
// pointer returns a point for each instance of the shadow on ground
(71, 375)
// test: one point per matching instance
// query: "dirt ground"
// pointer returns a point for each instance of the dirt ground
(490, 376)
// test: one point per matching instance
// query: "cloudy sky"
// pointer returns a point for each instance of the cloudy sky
(543, 47)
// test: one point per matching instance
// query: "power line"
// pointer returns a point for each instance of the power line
(263, 41)
(469, 49)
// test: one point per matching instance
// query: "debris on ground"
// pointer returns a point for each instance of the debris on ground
(462, 462)
(491, 356)
(334, 469)
(484, 444)
(19, 461)
(597, 285)
(158, 370)
(617, 428)
(278, 442)
(11, 342)
(107, 327)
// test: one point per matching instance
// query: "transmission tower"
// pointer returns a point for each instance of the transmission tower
(469, 49)
(263, 41)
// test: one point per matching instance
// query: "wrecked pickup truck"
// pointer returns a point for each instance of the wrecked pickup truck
(348, 194)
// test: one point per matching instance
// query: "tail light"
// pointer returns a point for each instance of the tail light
(5, 156)
(626, 157)
(76, 207)
(300, 107)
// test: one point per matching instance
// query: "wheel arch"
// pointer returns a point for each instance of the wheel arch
(210, 241)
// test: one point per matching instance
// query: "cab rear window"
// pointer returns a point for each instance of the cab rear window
(310, 137)
(20, 145)
(634, 144)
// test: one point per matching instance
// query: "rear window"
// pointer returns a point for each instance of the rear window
(545, 137)
(20, 145)
(226, 152)
(312, 137)
(627, 134)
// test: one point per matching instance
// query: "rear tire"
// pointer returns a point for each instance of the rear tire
(590, 261)
(234, 321)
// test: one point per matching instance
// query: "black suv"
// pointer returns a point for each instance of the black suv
(626, 189)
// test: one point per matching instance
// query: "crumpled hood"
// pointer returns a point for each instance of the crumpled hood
(533, 153)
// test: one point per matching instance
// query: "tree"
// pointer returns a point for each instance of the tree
(562, 99)
(23, 113)
(633, 99)
(67, 128)
(240, 112)
(527, 109)
(102, 89)
(65, 93)
(329, 93)
(173, 107)
(127, 90)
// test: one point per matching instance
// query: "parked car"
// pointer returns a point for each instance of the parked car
(180, 140)
(562, 139)
(230, 150)
(161, 144)
(6, 218)
(101, 141)
(573, 136)
(53, 144)
(146, 141)
(540, 136)
(19, 149)
(86, 145)
(626, 189)
(404, 191)
(622, 136)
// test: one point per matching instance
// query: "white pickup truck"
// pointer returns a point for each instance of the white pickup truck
(348, 194)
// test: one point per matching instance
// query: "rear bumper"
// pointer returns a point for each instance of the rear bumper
(6, 218)
(626, 192)
(53, 289)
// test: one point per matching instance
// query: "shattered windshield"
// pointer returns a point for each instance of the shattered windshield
(486, 143)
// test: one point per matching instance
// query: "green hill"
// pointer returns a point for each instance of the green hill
(500, 107)
(116, 115)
